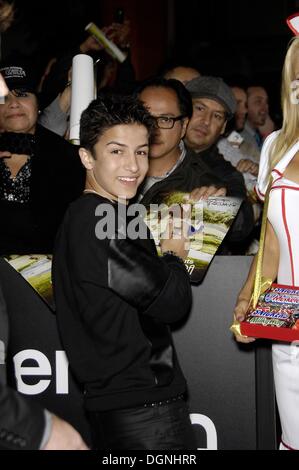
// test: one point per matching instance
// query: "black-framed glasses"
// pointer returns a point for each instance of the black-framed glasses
(167, 122)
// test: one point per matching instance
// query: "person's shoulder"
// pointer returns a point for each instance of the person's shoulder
(47, 137)
(87, 207)
(44, 133)
(266, 148)
(202, 155)
(271, 137)
(79, 216)
(264, 166)
(85, 204)
(82, 219)
(213, 153)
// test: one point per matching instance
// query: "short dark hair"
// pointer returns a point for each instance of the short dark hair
(183, 95)
(110, 110)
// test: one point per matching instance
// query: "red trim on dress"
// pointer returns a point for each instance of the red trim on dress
(286, 445)
(287, 233)
(289, 23)
(259, 194)
(286, 286)
(285, 187)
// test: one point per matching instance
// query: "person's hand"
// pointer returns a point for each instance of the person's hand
(64, 437)
(248, 166)
(90, 44)
(175, 237)
(119, 33)
(203, 192)
(116, 32)
(239, 315)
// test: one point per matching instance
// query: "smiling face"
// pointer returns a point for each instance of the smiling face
(206, 125)
(19, 113)
(258, 107)
(119, 162)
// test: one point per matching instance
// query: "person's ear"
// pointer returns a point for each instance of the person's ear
(86, 158)
(185, 123)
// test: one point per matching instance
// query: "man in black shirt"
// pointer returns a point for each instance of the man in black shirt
(115, 297)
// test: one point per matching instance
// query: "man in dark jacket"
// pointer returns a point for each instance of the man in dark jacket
(213, 105)
(170, 168)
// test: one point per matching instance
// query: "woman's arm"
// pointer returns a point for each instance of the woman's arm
(269, 270)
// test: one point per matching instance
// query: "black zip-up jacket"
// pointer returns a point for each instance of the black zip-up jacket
(234, 182)
(190, 174)
(205, 169)
(114, 299)
(223, 169)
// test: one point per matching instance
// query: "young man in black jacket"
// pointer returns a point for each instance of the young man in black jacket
(115, 297)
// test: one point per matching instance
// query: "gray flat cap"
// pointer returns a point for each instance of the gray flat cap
(213, 88)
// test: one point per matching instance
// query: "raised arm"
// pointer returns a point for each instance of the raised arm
(269, 270)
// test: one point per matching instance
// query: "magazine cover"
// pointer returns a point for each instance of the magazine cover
(36, 269)
(208, 223)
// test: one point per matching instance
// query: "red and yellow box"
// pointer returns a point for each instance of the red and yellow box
(276, 316)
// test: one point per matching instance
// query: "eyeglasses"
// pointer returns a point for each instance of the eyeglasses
(166, 122)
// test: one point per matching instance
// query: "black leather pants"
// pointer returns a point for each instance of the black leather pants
(159, 427)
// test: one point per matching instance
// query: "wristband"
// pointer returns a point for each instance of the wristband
(172, 253)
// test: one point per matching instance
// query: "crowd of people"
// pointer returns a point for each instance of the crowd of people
(115, 298)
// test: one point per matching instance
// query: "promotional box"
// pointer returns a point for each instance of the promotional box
(276, 315)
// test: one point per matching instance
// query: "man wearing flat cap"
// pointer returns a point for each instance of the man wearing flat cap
(213, 105)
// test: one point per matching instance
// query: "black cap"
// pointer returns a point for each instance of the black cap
(19, 76)
(213, 88)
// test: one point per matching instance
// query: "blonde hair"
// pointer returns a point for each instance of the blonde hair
(290, 126)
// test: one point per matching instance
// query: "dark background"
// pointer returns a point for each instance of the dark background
(219, 37)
